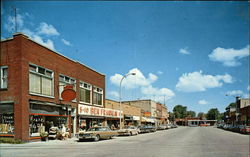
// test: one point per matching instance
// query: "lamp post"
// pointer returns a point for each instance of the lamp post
(120, 94)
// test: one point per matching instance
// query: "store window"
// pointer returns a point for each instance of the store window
(4, 77)
(6, 119)
(65, 80)
(41, 81)
(39, 124)
(85, 92)
(98, 96)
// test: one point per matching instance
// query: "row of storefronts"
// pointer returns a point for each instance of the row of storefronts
(32, 101)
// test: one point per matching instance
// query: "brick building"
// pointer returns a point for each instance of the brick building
(32, 79)
(131, 114)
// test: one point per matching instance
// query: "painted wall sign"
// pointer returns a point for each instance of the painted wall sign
(98, 111)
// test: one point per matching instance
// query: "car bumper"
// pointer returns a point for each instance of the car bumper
(123, 133)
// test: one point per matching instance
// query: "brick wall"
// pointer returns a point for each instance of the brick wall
(17, 54)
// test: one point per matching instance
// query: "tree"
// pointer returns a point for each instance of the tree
(213, 114)
(233, 104)
(171, 116)
(192, 114)
(180, 111)
(201, 115)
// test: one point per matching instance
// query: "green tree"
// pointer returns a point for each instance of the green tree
(201, 115)
(171, 116)
(213, 114)
(233, 104)
(192, 114)
(180, 111)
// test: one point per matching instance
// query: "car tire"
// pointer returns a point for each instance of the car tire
(130, 134)
(97, 138)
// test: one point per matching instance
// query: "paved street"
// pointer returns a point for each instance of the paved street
(180, 142)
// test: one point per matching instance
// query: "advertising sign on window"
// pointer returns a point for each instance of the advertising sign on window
(98, 111)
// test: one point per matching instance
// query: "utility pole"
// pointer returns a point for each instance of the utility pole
(14, 9)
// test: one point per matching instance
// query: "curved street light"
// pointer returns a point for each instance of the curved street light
(120, 93)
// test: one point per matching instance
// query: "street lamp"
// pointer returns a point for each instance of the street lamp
(120, 93)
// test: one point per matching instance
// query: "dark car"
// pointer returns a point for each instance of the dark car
(145, 129)
(152, 128)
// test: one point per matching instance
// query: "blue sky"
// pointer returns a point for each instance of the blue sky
(191, 53)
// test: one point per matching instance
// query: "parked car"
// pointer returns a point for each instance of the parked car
(244, 129)
(152, 128)
(144, 129)
(97, 133)
(161, 127)
(129, 130)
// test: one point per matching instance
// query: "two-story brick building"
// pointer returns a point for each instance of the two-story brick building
(32, 79)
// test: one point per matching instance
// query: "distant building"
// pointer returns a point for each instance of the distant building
(244, 110)
(153, 113)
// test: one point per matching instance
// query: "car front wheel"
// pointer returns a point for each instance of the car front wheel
(97, 138)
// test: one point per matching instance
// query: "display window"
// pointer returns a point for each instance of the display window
(6, 119)
(40, 123)
(85, 124)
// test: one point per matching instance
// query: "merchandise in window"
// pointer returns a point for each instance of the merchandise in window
(6, 119)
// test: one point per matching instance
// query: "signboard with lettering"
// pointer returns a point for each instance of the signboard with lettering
(98, 111)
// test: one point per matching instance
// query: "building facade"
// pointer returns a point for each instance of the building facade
(131, 114)
(152, 112)
(32, 79)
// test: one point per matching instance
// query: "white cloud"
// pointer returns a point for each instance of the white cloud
(159, 72)
(234, 93)
(184, 51)
(157, 93)
(47, 29)
(10, 24)
(66, 42)
(248, 88)
(229, 57)
(114, 94)
(202, 102)
(133, 81)
(196, 81)
(145, 85)
(49, 43)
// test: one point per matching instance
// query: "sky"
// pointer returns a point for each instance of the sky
(187, 53)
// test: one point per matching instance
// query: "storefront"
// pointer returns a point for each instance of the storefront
(131, 120)
(148, 121)
(7, 119)
(90, 116)
(44, 115)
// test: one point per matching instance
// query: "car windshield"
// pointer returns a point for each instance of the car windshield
(128, 127)
(94, 129)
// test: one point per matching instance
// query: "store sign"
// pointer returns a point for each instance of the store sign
(136, 118)
(98, 111)
(147, 114)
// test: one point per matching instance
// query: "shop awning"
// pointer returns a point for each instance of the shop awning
(128, 117)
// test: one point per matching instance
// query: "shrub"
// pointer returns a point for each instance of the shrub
(10, 140)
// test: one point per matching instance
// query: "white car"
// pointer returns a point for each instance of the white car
(129, 130)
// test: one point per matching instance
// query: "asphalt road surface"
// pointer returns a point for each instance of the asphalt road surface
(179, 142)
